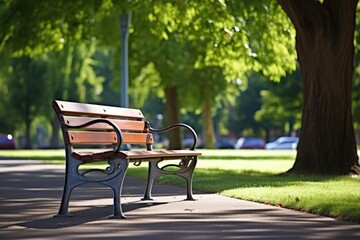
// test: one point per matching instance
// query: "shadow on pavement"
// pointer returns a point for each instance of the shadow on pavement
(30, 194)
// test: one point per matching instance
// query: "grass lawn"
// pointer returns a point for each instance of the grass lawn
(254, 175)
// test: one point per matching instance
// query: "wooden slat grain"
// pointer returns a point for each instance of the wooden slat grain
(124, 125)
(65, 107)
(88, 137)
(135, 155)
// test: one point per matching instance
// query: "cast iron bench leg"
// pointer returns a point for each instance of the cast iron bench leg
(113, 178)
(186, 171)
(188, 176)
(152, 175)
(116, 184)
(71, 182)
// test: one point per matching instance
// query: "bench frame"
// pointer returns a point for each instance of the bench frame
(117, 159)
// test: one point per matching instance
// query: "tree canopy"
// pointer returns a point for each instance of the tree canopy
(201, 52)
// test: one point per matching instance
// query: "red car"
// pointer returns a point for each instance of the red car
(7, 141)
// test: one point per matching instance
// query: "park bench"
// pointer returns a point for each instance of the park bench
(97, 133)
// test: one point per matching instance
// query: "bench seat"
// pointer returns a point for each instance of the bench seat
(134, 155)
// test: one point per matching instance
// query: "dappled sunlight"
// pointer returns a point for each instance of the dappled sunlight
(218, 180)
(251, 154)
(323, 195)
(250, 175)
(274, 166)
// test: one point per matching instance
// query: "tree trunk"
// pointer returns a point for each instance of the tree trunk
(173, 117)
(208, 125)
(324, 44)
(27, 134)
(54, 140)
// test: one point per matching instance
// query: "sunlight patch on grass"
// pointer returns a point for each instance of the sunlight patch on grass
(338, 197)
(273, 166)
(247, 154)
(49, 155)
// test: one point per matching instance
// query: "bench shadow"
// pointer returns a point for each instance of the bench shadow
(94, 213)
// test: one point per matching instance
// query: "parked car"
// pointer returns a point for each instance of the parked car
(250, 143)
(189, 141)
(225, 143)
(7, 141)
(283, 143)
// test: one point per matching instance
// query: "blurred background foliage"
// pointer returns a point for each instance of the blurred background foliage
(228, 67)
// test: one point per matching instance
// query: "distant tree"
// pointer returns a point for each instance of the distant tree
(34, 27)
(27, 93)
(219, 35)
(242, 118)
(177, 36)
(7, 121)
(210, 88)
(281, 105)
(70, 75)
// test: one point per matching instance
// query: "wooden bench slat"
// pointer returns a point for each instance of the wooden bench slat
(124, 125)
(96, 110)
(143, 154)
(134, 156)
(81, 137)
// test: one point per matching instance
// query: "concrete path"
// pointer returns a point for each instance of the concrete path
(30, 193)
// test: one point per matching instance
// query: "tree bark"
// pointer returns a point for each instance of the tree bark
(54, 140)
(173, 117)
(324, 44)
(208, 125)
(27, 134)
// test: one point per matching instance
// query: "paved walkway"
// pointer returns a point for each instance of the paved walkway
(30, 194)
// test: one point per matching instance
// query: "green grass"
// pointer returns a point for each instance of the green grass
(256, 176)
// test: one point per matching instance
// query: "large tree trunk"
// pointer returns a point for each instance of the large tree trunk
(324, 44)
(173, 117)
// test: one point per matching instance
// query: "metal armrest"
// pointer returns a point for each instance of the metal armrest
(175, 126)
(103, 120)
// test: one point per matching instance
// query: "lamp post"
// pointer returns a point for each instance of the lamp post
(124, 20)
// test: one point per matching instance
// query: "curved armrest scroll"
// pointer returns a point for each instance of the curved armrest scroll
(193, 133)
(101, 120)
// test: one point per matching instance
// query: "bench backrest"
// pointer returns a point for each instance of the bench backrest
(130, 121)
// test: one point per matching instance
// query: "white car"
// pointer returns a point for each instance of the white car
(283, 143)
